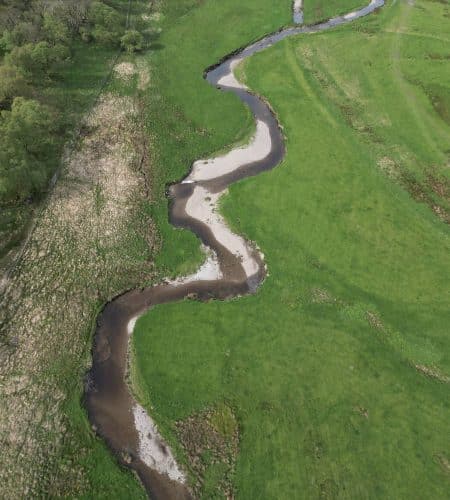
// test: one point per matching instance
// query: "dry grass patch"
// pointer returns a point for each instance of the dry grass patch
(443, 461)
(125, 70)
(433, 373)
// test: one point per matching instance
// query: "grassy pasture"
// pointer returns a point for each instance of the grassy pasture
(321, 10)
(337, 370)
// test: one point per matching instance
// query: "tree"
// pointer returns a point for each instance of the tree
(132, 41)
(38, 60)
(104, 15)
(12, 84)
(106, 22)
(72, 13)
(27, 153)
(55, 30)
(105, 37)
(6, 41)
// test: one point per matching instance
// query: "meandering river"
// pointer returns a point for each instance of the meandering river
(233, 267)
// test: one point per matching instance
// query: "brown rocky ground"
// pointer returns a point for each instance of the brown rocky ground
(92, 241)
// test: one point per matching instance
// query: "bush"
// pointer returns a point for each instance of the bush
(85, 34)
(28, 150)
(25, 32)
(132, 41)
(55, 30)
(6, 42)
(12, 84)
(105, 37)
(37, 61)
(107, 24)
(103, 15)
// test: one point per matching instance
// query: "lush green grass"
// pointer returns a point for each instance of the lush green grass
(104, 478)
(81, 80)
(320, 364)
(321, 10)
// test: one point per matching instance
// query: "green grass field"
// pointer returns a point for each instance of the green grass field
(321, 10)
(338, 368)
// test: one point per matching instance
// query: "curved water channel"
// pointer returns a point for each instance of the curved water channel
(233, 267)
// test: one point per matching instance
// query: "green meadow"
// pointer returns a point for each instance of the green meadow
(338, 368)
(322, 10)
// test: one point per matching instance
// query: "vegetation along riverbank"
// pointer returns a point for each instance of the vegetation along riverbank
(332, 381)
(92, 238)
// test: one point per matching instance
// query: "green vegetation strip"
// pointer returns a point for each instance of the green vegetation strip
(337, 370)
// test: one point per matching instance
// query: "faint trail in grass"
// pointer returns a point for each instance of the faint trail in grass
(300, 78)
(402, 84)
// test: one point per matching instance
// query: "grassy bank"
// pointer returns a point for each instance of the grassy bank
(338, 369)
(320, 10)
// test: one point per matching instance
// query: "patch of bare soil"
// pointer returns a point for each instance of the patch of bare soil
(125, 70)
(374, 320)
(422, 192)
(211, 442)
(433, 373)
(321, 296)
(91, 242)
(443, 461)
(389, 167)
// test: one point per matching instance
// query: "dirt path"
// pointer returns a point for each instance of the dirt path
(234, 267)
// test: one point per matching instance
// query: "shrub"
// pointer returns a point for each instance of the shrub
(55, 30)
(106, 22)
(37, 61)
(12, 84)
(132, 41)
(27, 152)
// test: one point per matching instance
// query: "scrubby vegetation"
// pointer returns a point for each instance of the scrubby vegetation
(92, 239)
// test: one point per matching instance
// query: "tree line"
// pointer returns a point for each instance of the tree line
(36, 43)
